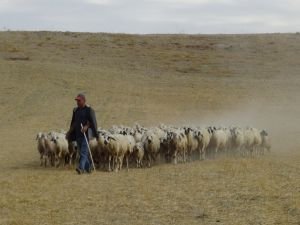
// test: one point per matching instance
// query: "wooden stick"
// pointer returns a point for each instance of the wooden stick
(89, 149)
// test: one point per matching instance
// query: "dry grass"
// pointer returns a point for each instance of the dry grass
(246, 79)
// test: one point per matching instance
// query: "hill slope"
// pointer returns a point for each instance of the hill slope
(179, 79)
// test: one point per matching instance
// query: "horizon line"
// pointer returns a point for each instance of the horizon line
(142, 34)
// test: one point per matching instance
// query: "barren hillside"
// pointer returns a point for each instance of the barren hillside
(174, 79)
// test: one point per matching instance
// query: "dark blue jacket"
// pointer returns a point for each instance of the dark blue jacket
(84, 116)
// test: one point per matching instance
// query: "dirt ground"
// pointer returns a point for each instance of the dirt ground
(173, 79)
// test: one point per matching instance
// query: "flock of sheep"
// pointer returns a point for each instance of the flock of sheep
(145, 145)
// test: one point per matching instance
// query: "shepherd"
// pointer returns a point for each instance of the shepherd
(83, 119)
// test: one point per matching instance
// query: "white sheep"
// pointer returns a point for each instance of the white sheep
(136, 134)
(151, 145)
(218, 141)
(94, 147)
(248, 141)
(117, 146)
(203, 138)
(138, 152)
(102, 149)
(252, 140)
(178, 146)
(257, 141)
(62, 148)
(147, 144)
(238, 139)
(128, 153)
(192, 142)
(266, 142)
(50, 150)
(73, 153)
(229, 139)
(41, 147)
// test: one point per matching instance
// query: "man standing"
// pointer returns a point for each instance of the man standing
(85, 115)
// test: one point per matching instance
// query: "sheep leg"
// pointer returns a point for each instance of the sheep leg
(203, 153)
(188, 154)
(121, 162)
(260, 151)
(149, 160)
(118, 163)
(263, 151)
(63, 160)
(41, 158)
(244, 152)
(239, 151)
(127, 162)
(175, 158)
(70, 161)
(45, 161)
(52, 159)
(109, 160)
(200, 153)
(57, 162)
(251, 152)
(141, 163)
(115, 163)
(215, 152)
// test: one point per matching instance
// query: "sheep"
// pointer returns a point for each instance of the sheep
(229, 140)
(238, 140)
(178, 146)
(41, 148)
(249, 140)
(117, 146)
(165, 146)
(218, 141)
(73, 153)
(158, 132)
(94, 147)
(102, 149)
(140, 128)
(266, 143)
(62, 148)
(115, 130)
(121, 142)
(113, 148)
(138, 152)
(203, 138)
(151, 145)
(50, 150)
(127, 131)
(128, 153)
(192, 142)
(253, 140)
(257, 140)
(136, 134)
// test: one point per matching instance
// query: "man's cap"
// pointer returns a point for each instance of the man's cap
(80, 97)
